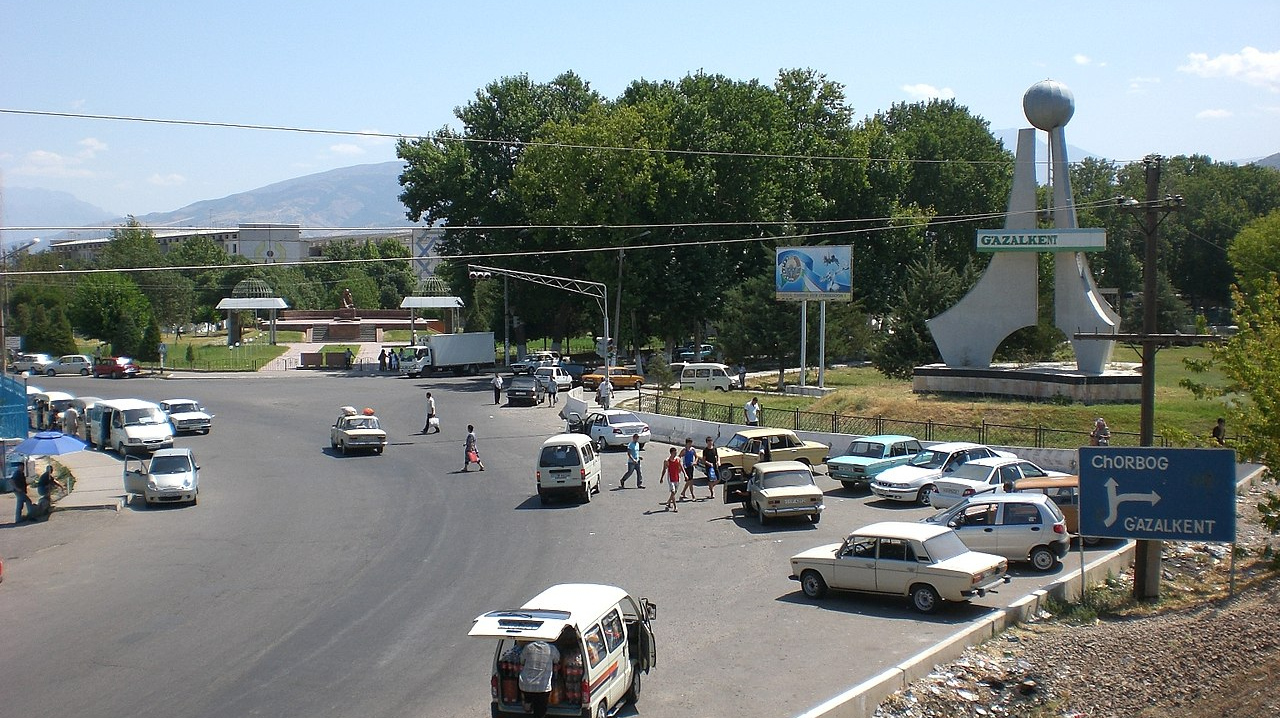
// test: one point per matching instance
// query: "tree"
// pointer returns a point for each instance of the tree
(932, 287)
(756, 324)
(1255, 251)
(110, 306)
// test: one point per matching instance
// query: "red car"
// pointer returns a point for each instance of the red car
(116, 367)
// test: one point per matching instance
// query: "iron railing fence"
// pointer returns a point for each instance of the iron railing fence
(985, 433)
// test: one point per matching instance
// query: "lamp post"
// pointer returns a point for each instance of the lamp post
(4, 298)
(617, 313)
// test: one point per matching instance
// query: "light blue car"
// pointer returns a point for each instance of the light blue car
(868, 456)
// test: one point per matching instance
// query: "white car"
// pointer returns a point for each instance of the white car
(984, 476)
(187, 415)
(897, 558)
(554, 373)
(784, 488)
(915, 480)
(610, 427)
(68, 364)
(1018, 526)
(167, 476)
(357, 431)
(29, 362)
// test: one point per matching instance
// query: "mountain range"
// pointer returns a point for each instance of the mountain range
(349, 197)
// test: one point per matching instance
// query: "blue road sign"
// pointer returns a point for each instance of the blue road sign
(1158, 494)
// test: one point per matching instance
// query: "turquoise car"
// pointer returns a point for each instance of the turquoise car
(866, 457)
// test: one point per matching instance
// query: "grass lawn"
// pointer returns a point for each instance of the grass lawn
(864, 392)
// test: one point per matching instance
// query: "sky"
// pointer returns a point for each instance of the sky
(1168, 77)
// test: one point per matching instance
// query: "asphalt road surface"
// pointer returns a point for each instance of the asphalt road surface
(311, 584)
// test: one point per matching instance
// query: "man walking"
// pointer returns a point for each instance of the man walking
(431, 416)
(19, 484)
(553, 390)
(604, 393)
(472, 452)
(633, 463)
(688, 459)
(752, 410)
(742, 376)
(497, 388)
(711, 465)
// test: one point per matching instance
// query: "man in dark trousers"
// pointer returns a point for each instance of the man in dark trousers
(19, 483)
(537, 668)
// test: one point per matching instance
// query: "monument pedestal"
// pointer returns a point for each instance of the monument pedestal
(1120, 383)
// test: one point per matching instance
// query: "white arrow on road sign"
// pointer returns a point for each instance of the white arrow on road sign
(1114, 500)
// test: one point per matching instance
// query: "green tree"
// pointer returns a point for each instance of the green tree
(756, 324)
(110, 306)
(932, 287)
(44, 328)
(1255, 251)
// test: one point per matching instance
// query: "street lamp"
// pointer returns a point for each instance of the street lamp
(617, 313)
(4, 297)
(506, 311)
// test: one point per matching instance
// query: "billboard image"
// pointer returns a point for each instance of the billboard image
(814, 273)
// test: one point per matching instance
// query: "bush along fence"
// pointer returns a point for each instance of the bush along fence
(1040, 437)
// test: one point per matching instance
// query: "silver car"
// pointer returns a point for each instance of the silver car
(168, 476)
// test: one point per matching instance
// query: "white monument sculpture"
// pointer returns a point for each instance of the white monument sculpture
(1006, 296)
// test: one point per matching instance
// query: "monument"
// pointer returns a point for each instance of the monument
(1006, 297)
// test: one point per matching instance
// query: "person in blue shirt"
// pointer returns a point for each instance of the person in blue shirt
(688, 459)
(633, 463)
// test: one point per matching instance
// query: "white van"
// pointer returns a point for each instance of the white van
(605, 642)
(128, 425)
(568, 464)
(704, 376)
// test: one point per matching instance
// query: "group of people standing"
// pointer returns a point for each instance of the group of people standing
(677, 470)
(388, 361)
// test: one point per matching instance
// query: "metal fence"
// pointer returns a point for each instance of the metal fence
(13, 408)
(796, 420)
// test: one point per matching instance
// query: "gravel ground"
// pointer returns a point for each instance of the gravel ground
(1198, 655)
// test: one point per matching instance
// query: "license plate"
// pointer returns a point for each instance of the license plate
(792, 502)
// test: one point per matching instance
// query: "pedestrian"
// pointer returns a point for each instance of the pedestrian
(393, 361)
(688, 459)
(604, 393)
(18, 483)
(1101, 434)
(497, 388)
(44, 491)
(1220, 432)
(472, 453)
(742, 376)
(553, 390)
(351, 357)
(752, 410)
(538, 661)
(711, 465)
(633, 463)
(382, 359)
(71, 421)
(672, 473)
(432, 420)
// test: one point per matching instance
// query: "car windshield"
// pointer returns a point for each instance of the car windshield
(627, 418)
(972, 472)
(930, 459)
(738, 443)
(782, 479)
(170, 465)
(868, 449)
(135, 417)
(183, 408)
(559, 455)
(945, 546)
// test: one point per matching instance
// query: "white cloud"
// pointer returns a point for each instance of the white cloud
(924, 91)
(170, 180)
(90, 147)
(43, 163)
(1213, 114)
(346, 148)
(1250, 65)
(1081, 59)
(1140, 84)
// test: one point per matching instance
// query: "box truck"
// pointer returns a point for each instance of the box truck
(469, 353)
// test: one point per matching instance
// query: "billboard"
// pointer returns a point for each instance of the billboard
(820, 273)
(1042, 240)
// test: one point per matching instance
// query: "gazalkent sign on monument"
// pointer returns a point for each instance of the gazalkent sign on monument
(1042, 240)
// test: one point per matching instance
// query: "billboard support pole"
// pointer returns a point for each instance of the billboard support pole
(822, 344)
(804, 338)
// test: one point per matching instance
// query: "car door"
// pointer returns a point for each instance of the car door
(135, 476)
(895, 566)
(976, 525)
(1021, 528)
(855, 564)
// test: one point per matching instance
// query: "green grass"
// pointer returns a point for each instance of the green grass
(865, 393)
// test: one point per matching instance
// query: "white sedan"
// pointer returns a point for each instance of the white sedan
(186, 415)
(915, 480)
(611, 427)
(984, 476)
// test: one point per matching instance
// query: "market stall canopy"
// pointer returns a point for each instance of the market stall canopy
(50, 443)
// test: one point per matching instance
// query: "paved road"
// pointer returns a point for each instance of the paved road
(310, 584)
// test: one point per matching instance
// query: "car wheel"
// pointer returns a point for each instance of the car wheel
(378, 451)
(1043, 559)
(812, 583)
(51, 373)
(586, 494)
(924, 598)
(633, 693)
(84, 372)
(342, 447)
(602, 711)
(195, 500)
(601, 444)
(120, 448)
(850, 485)
(761, 517)
(925, 492)
(815, 518)
(333, 444)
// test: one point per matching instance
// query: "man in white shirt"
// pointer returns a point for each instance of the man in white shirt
(497, 388)
(752, 410)
(431, 414)
(537, 668)
(604, 393)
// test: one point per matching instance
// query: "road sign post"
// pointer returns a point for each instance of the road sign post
(1154, 494)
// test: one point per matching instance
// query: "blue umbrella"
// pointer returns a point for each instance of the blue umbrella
(50, 443)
